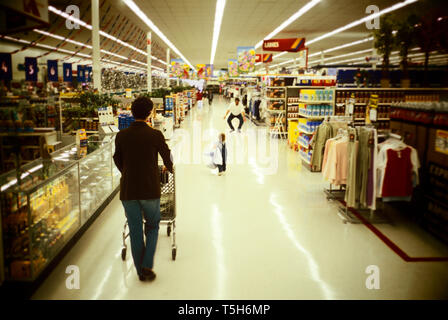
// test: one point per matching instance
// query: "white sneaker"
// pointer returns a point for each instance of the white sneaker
(220, 173)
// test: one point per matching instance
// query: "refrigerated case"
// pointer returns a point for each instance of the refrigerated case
(52, 201)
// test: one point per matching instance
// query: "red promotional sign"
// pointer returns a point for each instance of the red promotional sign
(258, 58)
(267, 58)
(290, 45)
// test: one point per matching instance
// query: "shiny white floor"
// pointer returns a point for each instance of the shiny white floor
(251, 235)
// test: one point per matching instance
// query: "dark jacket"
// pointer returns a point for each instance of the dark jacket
(136, 156)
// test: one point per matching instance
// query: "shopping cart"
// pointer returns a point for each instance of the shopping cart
(167, 212)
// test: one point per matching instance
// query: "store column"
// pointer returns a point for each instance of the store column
(148, 62)
(96, 64)
(167, 67)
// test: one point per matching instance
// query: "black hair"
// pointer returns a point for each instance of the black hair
(141, 108)
(237, 99)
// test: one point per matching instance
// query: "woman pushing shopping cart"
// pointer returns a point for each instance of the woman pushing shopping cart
(145, 199)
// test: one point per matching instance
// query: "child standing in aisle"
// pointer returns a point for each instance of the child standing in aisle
(220, 155)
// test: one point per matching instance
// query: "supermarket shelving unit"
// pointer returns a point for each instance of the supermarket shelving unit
(276, 108)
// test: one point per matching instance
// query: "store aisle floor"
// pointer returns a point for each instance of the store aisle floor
(249, 234)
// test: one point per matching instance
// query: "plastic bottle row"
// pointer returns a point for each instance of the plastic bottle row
(316, 95)
(313, 110)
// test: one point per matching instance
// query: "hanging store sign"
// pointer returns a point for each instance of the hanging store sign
(208, 70)
(233, 68)
(30, 69)
(201, 70)
(246, 59)
(176, 69)
(67, 69)
(80, 73)
(52, 70)
(5, 66)
(87, 74)
(441, 144)
(267, 58)
(290, 45)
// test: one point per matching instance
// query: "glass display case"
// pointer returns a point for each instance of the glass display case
(48, 201)
(40, 213)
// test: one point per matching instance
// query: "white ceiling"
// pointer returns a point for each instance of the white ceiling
(188, 24)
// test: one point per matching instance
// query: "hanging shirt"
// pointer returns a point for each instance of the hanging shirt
(336, 162)
(400, 167)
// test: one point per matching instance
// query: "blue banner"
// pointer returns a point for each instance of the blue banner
(81, 75)
(67, 69)
(88, 74)
(30, 69)
(5, 66)
(52, 66)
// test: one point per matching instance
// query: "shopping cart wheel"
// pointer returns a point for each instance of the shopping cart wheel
(123, 254)
(168, 230)
(173, 253)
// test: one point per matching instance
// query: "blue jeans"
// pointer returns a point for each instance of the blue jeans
(135, 210)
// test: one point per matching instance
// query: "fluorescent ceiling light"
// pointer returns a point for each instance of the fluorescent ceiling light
(363, 20)
(349, 44)
(131, 4)
(39, 45)
(342, 55)
(219, 13)
(102, 33)
(77, 43)
(290, 20)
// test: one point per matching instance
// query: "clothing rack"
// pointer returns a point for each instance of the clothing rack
(373, 216)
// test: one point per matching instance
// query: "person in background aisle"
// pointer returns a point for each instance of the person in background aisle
(236, 110)
(136, 156)
(210, 96)
(199, 98)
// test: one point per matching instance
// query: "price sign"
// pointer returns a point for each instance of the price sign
(350, 105)
(372, 109)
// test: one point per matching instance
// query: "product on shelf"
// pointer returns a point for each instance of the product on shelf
(312, 95)
(275, 93)
(308, 126)
(315, 110)
(33, 232)
(125, 119)
(276, 105)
